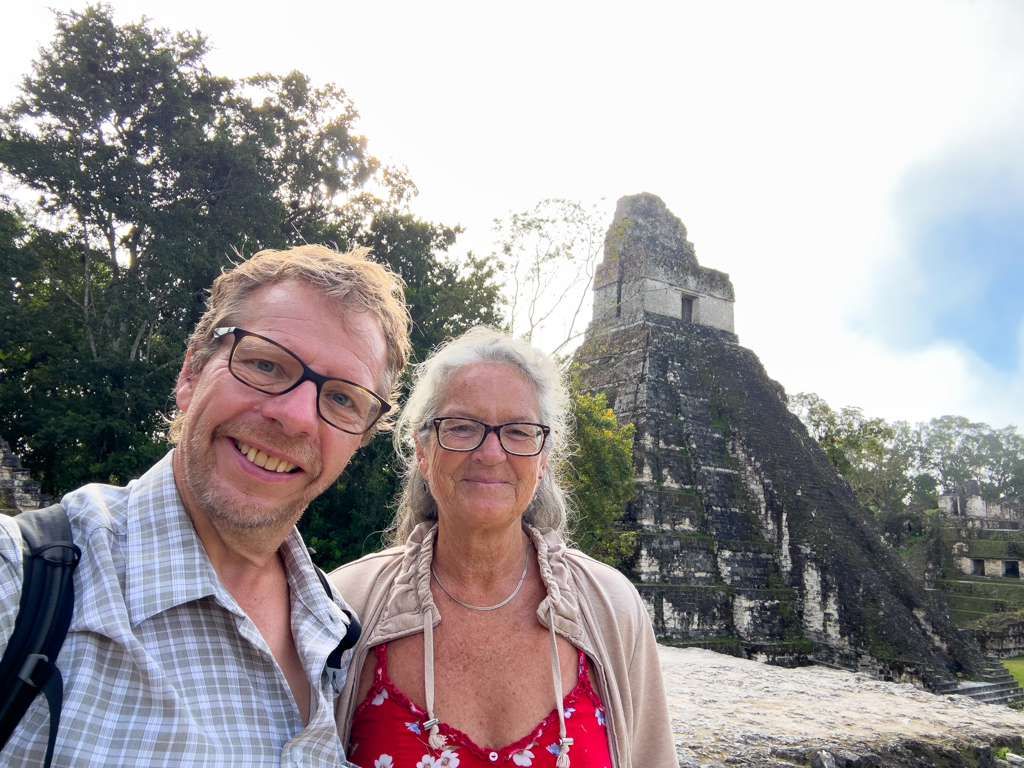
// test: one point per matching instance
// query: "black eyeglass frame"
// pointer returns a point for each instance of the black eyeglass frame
(488, 428)
(308, 374)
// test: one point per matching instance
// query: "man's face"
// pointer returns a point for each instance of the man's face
(222, 415)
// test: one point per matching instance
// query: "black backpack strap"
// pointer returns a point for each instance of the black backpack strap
(44, 615)
(351, 637)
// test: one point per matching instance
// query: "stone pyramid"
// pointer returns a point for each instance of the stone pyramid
(748, 540)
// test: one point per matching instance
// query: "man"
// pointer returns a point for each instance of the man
(201, 630)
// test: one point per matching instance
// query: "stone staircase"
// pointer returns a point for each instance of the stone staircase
(997, 686)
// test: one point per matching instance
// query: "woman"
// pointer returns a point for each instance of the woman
(481, 617)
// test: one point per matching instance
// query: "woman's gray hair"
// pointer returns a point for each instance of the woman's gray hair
(549, 507)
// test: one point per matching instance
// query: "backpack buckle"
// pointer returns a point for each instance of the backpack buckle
(28, 669)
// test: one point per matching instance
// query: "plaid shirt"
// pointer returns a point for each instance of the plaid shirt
(161, 666)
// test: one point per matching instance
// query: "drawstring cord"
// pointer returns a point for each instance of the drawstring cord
(437, 740)
(564, 742)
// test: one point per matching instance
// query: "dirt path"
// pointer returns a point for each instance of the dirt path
(731, 711)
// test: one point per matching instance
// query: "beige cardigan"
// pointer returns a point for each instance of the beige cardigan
(595, 608)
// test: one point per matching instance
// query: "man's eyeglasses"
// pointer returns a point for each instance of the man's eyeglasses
(517, 438)
(267, 367)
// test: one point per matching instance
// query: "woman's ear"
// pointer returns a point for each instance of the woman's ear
(421, 455)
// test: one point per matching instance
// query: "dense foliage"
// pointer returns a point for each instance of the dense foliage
(134, 174)
(602, 472)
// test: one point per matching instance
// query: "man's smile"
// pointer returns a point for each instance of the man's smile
(264, 460)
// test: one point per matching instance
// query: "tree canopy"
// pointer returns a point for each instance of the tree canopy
(134, 175)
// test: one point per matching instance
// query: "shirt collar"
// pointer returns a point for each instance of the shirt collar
(306, 586)
(165, 562)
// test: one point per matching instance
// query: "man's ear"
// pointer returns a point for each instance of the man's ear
(186, 384)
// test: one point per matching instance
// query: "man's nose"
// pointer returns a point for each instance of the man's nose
(296, 411)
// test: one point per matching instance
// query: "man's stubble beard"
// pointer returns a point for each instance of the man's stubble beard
(248, 517)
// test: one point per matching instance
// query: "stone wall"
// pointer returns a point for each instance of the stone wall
(968, 502)
(987, 566)
(1002, 635)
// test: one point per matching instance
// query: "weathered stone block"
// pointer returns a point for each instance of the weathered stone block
(18, 492)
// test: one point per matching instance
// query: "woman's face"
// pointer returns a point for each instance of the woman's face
(484, 488)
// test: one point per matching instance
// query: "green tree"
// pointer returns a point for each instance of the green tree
(1003, 462)
(957, 451)
(446, 296)
(894, 465)
(848, 438)
(879, 460)
(952, 450)
(881, 467)
(602, 476)
(139, 172)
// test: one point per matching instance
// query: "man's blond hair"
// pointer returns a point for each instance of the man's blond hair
(349, 280)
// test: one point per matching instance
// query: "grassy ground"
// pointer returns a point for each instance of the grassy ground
(1016, 667)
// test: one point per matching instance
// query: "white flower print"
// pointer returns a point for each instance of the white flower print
(379, 698)
(427, 762)
(414, 727)
(448, 759)
(569, 711)
(600, 716)
(553, 749)
(383, 762)
(523, 757)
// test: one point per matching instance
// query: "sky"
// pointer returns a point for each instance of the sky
(856, 167)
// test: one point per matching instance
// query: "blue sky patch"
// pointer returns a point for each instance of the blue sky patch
(963, 280)
(975, 267)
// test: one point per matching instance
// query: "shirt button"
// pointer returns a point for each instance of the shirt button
(493, 756)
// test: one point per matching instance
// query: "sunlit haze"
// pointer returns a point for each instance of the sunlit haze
(856, 168)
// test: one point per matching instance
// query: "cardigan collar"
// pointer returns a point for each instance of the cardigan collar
(411, 596)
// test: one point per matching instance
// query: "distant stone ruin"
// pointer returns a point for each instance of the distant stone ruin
(985, 524)
(748, 540)
(966, 501)
(972, 558)
(18, 492)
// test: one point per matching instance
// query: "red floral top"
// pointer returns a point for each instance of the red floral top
(388, 732)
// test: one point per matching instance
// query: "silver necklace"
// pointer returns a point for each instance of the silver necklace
(519, 586)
